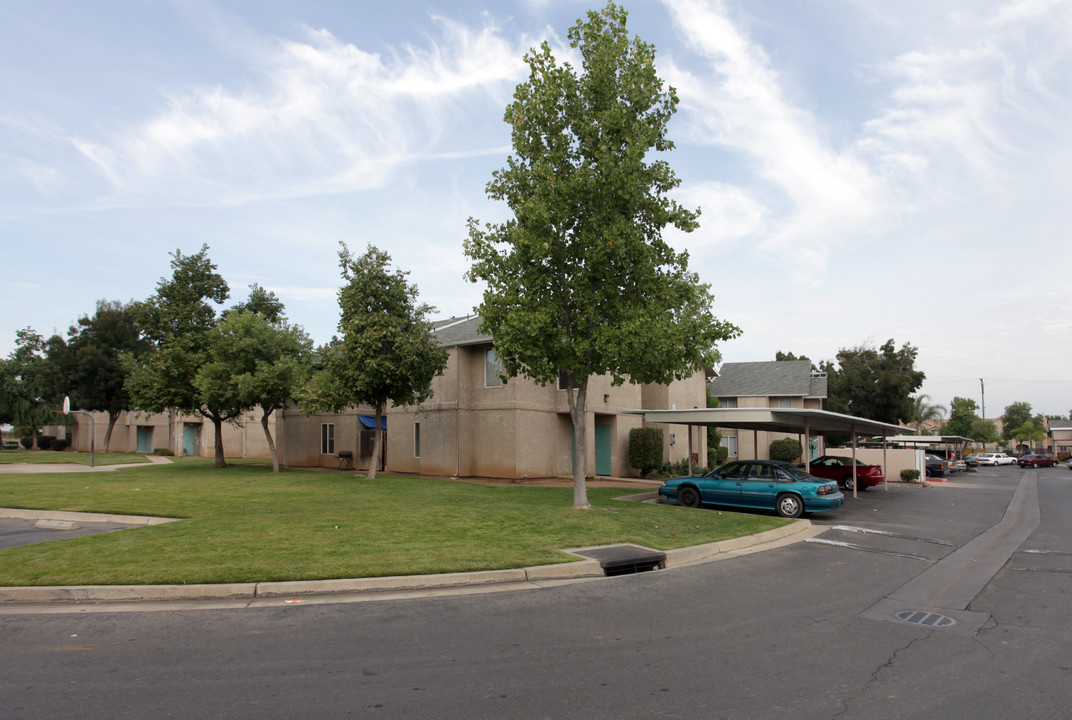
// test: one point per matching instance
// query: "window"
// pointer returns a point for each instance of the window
(492, 369)
(564, 378)
(327, 438)
(785, 402)
(416, 439)
(727, 402)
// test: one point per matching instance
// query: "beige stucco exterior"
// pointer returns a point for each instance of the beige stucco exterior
(516, 429)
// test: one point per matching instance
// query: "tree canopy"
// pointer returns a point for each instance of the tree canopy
(90, 361)
(579, 282)
(255, 360)
(874, 383)
(961, 417)
(387, 352)
(177, 321)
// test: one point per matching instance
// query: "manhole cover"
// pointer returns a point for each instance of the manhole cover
(929, 619)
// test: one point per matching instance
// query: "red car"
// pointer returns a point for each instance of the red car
(836, 468)
(1035, 461)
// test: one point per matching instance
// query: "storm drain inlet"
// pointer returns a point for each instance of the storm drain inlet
(927, 619)
(626, 559)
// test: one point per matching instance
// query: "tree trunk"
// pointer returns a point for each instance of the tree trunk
(377, 444)
(578, 407)
(217, 424)
(271, 443)
(112, 417)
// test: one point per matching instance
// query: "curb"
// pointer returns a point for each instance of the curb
(582, 569)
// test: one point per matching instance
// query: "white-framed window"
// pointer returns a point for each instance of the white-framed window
(416, 439)
(785, 402)
(492, 369)
(327, 438)
(563, 380)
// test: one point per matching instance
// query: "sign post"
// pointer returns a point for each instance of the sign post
(92, 425)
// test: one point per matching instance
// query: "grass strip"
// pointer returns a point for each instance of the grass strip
(246, 524)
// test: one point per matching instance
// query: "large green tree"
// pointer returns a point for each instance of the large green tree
(93, 374)
(254, 361)
(387, 353)
(177, 320)
(1016, 414)
(579, 282)
(961, 417)
(28, 383)
(874, 383)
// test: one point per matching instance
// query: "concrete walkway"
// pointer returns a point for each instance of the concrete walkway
(29, 468)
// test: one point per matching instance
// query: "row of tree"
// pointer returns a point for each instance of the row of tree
(179, 351)
(879, 384)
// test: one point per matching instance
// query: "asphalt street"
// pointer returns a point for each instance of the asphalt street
(791, 632)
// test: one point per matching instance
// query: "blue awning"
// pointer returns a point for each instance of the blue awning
(369, 421)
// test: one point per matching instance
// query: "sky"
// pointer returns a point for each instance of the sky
(866, 170)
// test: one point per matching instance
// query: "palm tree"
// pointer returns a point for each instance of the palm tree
(923, 411)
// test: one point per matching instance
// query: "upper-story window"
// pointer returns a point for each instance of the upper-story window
(785, 402)
(492, 369)
(727, 402)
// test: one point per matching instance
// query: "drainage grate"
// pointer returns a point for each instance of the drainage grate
(626, 559)
(929, 619)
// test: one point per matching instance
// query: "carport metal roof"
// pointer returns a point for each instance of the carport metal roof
(790, 420)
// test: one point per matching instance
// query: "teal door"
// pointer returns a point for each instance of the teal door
(145, 440)
(602, 449)
(189, 435)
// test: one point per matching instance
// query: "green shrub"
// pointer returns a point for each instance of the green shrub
(44, 442)
(646, 448)
(910, 475)
(680, 469)
(59, 444)
(786, 450)
(717, 455)
(166, 452)
(26, 442)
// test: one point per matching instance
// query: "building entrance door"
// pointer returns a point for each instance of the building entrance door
(603, 450)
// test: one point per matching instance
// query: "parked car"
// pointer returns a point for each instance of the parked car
(11, 444)
(762, 484)
(938, 466)
(994, 459)
(839, 469)
(971, 460)
(1036, 461)
(1069, 463)
(960, 465)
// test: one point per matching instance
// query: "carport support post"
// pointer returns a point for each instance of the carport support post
(855, 484)
(885, 466)
(807, 446)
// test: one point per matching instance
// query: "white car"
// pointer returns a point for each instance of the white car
(994, 459)
(1069, 463)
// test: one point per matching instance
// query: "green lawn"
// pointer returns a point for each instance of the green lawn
(245, 524)
(67, 456)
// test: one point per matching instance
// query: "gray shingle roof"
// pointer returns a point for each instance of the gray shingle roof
(783, 378)
(460, 331)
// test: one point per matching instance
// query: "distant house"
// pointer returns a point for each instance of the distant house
(478, 425)
(1060, 432)
(774, 384)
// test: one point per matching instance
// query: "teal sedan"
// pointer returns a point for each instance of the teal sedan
(759, 484)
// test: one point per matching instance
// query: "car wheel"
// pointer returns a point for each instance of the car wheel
(847, 482)
(789, 506)
(689, 497)
(1034, 466)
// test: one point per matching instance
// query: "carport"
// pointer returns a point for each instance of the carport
(803, 422)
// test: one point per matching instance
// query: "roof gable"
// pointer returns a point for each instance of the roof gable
(776, 378)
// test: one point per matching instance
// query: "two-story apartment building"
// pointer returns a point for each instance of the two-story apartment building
(478, 425)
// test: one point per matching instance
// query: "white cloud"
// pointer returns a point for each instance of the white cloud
(815, 194)
(326, 117)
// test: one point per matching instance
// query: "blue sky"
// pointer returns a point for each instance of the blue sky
(866, 170)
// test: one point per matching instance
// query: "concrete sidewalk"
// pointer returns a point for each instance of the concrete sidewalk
(30, 468)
